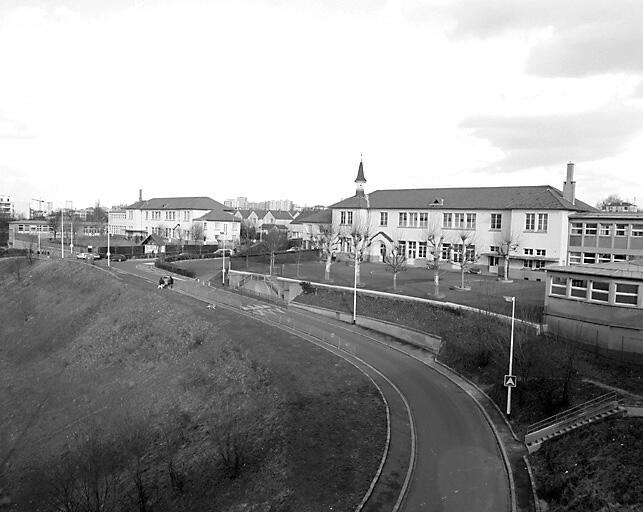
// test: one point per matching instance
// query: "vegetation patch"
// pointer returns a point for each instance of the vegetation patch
(120, 399)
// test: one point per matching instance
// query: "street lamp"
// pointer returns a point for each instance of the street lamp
(511, 384)
(108, 253)
(355, 289)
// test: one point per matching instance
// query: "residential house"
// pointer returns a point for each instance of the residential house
(603, 237)
(529, 224)
(305, 228)
(600, 305)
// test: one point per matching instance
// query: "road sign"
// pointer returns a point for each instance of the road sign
(510, 381)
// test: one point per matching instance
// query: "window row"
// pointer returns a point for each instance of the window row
(594, 228)
(595, 290)
(536, 221)
(576, 258)
(459, 220)
(538, 252)
(34, 227)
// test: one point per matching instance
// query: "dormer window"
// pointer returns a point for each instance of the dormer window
(438, 201)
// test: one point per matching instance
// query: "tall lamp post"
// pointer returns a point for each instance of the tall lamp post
(511, 350)
(108, 253)
(62, 233)
(355, 289)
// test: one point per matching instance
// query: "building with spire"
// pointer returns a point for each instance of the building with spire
(528, 225)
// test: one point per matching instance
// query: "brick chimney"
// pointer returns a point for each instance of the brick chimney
(569, 186)
(140, 194)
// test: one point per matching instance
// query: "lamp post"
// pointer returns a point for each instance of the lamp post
(108, 253)
(511, 349)
(62, 234)
(355, 289)
(223, 257)
(71, 233)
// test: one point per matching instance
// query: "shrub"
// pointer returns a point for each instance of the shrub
(173, 268)
(307, 287)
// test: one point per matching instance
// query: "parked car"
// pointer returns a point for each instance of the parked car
(88, 255)
(117, 257)
(220, 252)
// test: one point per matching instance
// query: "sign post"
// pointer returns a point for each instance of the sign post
(510, 380)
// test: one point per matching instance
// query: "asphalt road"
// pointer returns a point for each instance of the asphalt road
(458, 465)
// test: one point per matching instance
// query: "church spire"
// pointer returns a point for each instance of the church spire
(360, 180)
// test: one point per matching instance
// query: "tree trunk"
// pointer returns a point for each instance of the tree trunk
(436, 283)
(462, 278)
(329, 261)
(394, 281)
(506, 268)
(357, 270)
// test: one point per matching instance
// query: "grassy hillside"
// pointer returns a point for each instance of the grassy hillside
(117, 398)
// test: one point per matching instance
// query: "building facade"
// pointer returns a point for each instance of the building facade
(198, 219)
(306, 227)
(528, 224)
(604, 237)
(597, 304)
(6, 206)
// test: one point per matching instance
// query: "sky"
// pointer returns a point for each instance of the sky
(273, 99)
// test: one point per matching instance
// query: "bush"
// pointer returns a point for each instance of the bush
(307, 287)
(172, 268)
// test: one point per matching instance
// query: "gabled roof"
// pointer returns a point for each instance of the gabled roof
(219, 215)
(177, 203)
(281, 215)
(153, 239)
(542, 197)
(245, 213)
(315, 217)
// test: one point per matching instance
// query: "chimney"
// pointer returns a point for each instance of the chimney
(569, 186)
(140, 194)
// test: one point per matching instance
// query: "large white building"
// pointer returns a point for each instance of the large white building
(530, 223)
(6, 206)
(199, 219)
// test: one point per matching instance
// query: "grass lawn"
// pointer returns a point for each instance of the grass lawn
(100, 379)
(486, 291)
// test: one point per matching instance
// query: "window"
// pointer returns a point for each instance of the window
(470, 253)
(543, 220)
(496, 221)
(590, 229)
(637, 230)
(541, 252)
(600, 291)
(383, 218)
(534, 264)
(186, 214)
(558, 286)
(424, 219)
(412, 250)
(457, 253)
(493, 261)
(413, 219)
(446, 251)
(579, 288)
(574, 258)
(471, 221)
(130, 214)
(529, 252)
(589, 257)
(604, 258)
(146, 215)
(494, 248)
(621, 229)
(605, 230)
(626, 294)
(403, 219)
(402, 247)
(458, 220)
(447, 220)
(577, 228)
(620, 257)
(530, 221)
(422, 249)
(345, 218)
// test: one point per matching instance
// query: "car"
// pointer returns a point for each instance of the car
(220, 252)
(88, 255)
(117, 257)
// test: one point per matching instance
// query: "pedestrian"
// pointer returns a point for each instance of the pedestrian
(161, 283)
(171, 282)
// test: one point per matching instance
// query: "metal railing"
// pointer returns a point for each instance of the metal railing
(574, 412)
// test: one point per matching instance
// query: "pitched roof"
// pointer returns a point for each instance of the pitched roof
(281, 214)
(244, 213)
(177, 203)
(315, 217)
(542, 197)
(153, 239)
(219, 215)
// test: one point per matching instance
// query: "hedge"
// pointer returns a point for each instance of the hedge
(172, 268)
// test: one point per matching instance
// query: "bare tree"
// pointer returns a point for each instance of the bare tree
(196, 232)
(274, 241)
(467, 255)
(507, 244)
(434, 239)
(395, 260)
(327, 239)
(54, 222)
(610, 199)
(360, 239)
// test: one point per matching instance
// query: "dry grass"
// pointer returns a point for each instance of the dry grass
(244, 417)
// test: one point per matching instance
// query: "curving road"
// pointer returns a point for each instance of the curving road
(455, 464)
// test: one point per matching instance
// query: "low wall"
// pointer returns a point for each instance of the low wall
(410, 336)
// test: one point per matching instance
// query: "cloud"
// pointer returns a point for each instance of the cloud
(573, 38)
(533, 141)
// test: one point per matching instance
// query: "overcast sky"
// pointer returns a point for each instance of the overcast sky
(274, 99)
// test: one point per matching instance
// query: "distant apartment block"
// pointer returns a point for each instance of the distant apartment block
(620, 206)
(6, 206)
(604, 237)
(242, 203)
